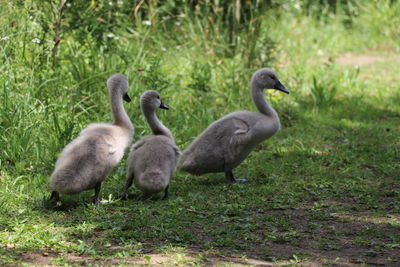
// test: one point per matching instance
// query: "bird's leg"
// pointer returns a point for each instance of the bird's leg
(166, 193)
(230, 178)
(96, 194)
(128, 184)
(55, 196)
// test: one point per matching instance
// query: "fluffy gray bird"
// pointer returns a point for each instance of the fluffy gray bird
(85, 162)
(152, 160)
(229, 140)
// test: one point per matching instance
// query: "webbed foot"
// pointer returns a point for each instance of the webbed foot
(241, 180)
(230, 178)
(103, 202)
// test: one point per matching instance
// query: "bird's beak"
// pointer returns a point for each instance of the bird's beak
(163, 106)
(280, 87)
(126, 98)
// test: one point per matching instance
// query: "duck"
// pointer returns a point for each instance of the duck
(86, 161)
(153, 159)
(229, 140)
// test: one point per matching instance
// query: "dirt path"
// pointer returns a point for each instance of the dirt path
(47, 258)
(361, 60)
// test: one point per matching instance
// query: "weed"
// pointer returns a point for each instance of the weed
(323, 91)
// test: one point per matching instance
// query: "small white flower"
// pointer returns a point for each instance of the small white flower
(163, 49)
(110, 3)
(320, 52)
(113, 36)
(146, 22)
(5, 38)
(177, 23)
(297, 6)
(36, 40)
(120, 2)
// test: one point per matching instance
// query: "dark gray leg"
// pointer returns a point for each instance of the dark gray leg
(166, 193)
(128, 184)
(55, 196)
(230, 179)
(96, 193)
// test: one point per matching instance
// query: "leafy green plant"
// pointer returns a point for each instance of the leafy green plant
(201, 76)
(323, 91)
(153, 77)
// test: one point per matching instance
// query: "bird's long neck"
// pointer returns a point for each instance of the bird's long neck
(119, 114)
(155, 124)
(261, 104)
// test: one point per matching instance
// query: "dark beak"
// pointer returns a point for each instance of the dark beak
(280, 87)
(163, 106)
(126, 98)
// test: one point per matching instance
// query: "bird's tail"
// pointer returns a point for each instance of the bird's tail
(64, 182)
(152, 182)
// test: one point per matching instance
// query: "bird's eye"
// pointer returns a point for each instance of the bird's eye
(158, 97)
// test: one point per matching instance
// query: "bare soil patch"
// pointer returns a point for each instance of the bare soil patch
(153, 259)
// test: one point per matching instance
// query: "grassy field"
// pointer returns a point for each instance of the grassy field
(324, 190)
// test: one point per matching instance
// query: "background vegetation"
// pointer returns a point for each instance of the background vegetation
(325, 189)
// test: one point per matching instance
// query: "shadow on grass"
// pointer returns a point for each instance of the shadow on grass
(328, 230)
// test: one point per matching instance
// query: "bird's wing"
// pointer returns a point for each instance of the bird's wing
(239, 137)
(240, 129)
(110, 143)
(100, 135)
(138, 145)
(177, 151)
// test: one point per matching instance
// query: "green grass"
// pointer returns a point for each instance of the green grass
(325, 189)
